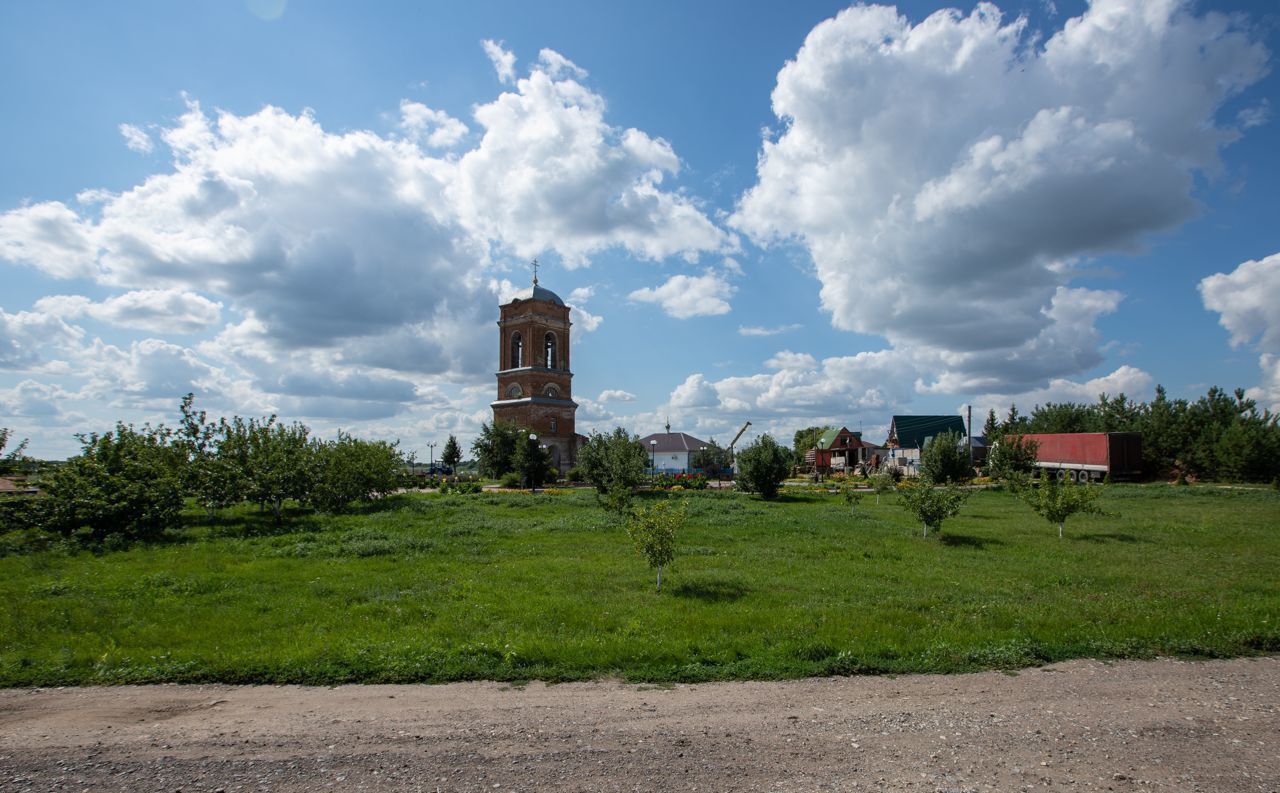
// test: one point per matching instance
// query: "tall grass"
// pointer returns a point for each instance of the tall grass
(518, 586)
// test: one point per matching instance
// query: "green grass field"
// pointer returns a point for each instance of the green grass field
(518, 586)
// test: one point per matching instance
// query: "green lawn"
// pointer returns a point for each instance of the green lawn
(514, 587)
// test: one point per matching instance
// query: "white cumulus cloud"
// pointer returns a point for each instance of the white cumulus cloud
(1248, 304)
(155, 310)
(685, 296)
(434, 128)
(504, 61)
(136, 138)
(941, 173)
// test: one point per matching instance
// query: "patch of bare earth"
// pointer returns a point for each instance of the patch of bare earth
(1082, 725)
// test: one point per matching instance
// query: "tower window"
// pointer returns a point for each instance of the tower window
(549, 350)
(553, 425)
(517, 351)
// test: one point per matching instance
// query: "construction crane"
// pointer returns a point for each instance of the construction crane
(735, 440)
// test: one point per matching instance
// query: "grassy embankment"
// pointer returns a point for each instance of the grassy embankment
(514, 586)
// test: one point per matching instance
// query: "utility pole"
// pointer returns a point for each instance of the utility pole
(970, 436)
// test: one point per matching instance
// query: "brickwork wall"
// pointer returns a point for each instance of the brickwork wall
(533, 319)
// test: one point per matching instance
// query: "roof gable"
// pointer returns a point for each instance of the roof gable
(911, 432)
(672, 442)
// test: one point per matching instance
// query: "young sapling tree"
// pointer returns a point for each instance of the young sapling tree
(653, 531)
(1056, 500)
(932, 504)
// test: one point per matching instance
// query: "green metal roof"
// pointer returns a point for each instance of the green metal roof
(913, 431)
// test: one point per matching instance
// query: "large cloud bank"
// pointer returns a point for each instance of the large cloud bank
(339, 274)
(945, 176)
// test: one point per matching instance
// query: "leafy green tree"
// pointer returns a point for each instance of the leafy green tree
(615, 464)
(1012, 459)
(1056, 500)
(348, 469)
(276, 459)
(1064, 417)
(123, 484)
(805, 439)
(452, 454)
(763, 466)
(653, 532)
(495, 448)
(932, 504)
(531, 460)
(213, 480)
(13, 461)
(1165, 434)
(943, 459)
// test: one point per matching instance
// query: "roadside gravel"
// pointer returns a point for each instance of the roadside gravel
(1082, 725)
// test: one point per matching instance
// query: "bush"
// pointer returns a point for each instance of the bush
(762, 467)
(511, 480)
(461, 487)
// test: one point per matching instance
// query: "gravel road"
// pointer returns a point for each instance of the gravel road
(1082, 725)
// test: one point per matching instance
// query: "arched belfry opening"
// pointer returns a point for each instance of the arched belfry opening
(517, 351)
(549, 350)
(535, 386)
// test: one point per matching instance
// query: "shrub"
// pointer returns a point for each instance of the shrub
(762, 467)
(511, 480)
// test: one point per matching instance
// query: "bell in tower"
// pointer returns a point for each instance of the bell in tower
(534, 381)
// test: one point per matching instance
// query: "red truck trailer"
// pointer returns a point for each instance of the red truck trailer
(1086, 456)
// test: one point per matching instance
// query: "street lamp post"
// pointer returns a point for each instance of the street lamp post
(528, 472)
(432, 446)
(653, 456)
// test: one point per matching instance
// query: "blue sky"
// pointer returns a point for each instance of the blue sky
(789, 213)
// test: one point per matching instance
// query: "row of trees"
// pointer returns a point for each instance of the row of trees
(1218, 436)
(131, 482)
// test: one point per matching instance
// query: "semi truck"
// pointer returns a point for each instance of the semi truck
(1089, 456)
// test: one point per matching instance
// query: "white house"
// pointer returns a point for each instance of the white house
(672, 452)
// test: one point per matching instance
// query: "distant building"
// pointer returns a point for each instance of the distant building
(672, 452)
(840, 450)
(909, 434)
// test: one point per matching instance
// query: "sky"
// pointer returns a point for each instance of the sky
(785, 213)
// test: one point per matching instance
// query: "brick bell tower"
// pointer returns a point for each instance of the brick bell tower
(534, 381)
